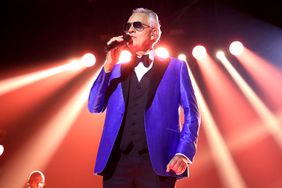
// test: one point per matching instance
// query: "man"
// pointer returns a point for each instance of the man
(142, 144)
(36, 180)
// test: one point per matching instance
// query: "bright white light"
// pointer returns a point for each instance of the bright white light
(125, 56)
(162, 52)
(220, 54)
(228, 171)
(272, 123)
(199, 52)
(17, 82)
(74, 64)
(88, 60)
(182, 57)
(236, 48)
(46, 140)
(1, 149)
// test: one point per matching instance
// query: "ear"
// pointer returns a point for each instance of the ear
(154, 35)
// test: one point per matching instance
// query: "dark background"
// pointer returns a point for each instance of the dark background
(35, 30)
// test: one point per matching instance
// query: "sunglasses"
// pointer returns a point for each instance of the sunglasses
(138, 26)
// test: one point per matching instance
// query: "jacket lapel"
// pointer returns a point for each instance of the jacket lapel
(158, 70)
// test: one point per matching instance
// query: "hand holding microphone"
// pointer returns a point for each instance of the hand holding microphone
(113, 50)
(117, 41)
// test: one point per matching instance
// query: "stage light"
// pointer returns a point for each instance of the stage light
(125, 56)
(271, 122)
(182, 57)
(74, 64)
(17, 82)
(199, 52)
(220, 54)
(88, 60)
(162, 52)
(31, 155)
(266, 75)
(236, 48)
(227, 169)
(1, 149)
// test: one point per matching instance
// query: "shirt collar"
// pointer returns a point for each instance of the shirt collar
(151, 54)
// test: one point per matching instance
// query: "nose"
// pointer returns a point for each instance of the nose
(131, 29)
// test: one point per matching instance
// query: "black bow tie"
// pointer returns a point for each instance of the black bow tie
(144, 59)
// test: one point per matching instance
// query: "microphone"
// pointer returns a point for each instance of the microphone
(114, 44)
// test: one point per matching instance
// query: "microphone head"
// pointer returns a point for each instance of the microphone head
(126, 37)
(114, 44)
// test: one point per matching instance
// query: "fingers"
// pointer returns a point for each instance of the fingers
(118, 38)
(115, 52)
(170, 165)
(181, 168)
(177, 165)
(113, 55)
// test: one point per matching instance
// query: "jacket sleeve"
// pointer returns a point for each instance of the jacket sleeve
(97, 101)
(190, 129)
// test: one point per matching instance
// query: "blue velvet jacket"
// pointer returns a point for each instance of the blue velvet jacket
(170, 88)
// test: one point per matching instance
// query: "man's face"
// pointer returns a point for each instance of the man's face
(141, 40)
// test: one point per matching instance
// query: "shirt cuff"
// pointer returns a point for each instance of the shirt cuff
(188, 161)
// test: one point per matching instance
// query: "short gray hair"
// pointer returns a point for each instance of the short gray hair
(153, 20)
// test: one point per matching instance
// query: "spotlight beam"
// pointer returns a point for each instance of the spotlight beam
(40, 148)
(228, 171)
(266, 75)
(271, 122)
(11, 84)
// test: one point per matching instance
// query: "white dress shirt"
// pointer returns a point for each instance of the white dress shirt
(141, 70)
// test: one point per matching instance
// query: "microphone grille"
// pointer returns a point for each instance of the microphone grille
(126, 37)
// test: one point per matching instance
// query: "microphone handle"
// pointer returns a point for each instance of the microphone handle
(113, 45)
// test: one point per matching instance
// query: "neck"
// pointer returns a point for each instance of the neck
(141, 53)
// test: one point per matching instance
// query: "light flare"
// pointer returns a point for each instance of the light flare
(228, 171)
(236, 48)
(266, 75)
(125, 56)
(162, 52)
(39, 149)
(182, 57)
(88, 60)
(270, 121)
(1, 149)
(199, 52)
(227, 102)
(17, 82)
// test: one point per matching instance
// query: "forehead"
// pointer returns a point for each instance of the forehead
(142, 17)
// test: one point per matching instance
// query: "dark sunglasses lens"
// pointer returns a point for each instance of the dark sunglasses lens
(138, 25)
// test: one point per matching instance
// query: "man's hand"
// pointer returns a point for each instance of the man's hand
(113, 55)
(177, 164)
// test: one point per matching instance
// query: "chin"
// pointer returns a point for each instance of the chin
(137, 47)
(133, 48)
